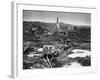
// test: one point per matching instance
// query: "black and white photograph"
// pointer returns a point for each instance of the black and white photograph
(54, 39)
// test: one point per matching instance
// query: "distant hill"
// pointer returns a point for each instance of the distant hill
(35, 29)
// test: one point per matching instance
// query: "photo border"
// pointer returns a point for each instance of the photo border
(17, 39)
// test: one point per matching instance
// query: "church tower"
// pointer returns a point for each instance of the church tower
(57, 23)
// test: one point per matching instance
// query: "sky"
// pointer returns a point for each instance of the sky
(51, 16)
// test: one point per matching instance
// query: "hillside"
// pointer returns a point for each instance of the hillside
(32, 30)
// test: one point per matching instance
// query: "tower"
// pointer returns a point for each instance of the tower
(57, 23)
(57, 20)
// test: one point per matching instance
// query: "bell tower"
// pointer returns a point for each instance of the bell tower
(58, 29)
(57, 20)
(57, 23)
